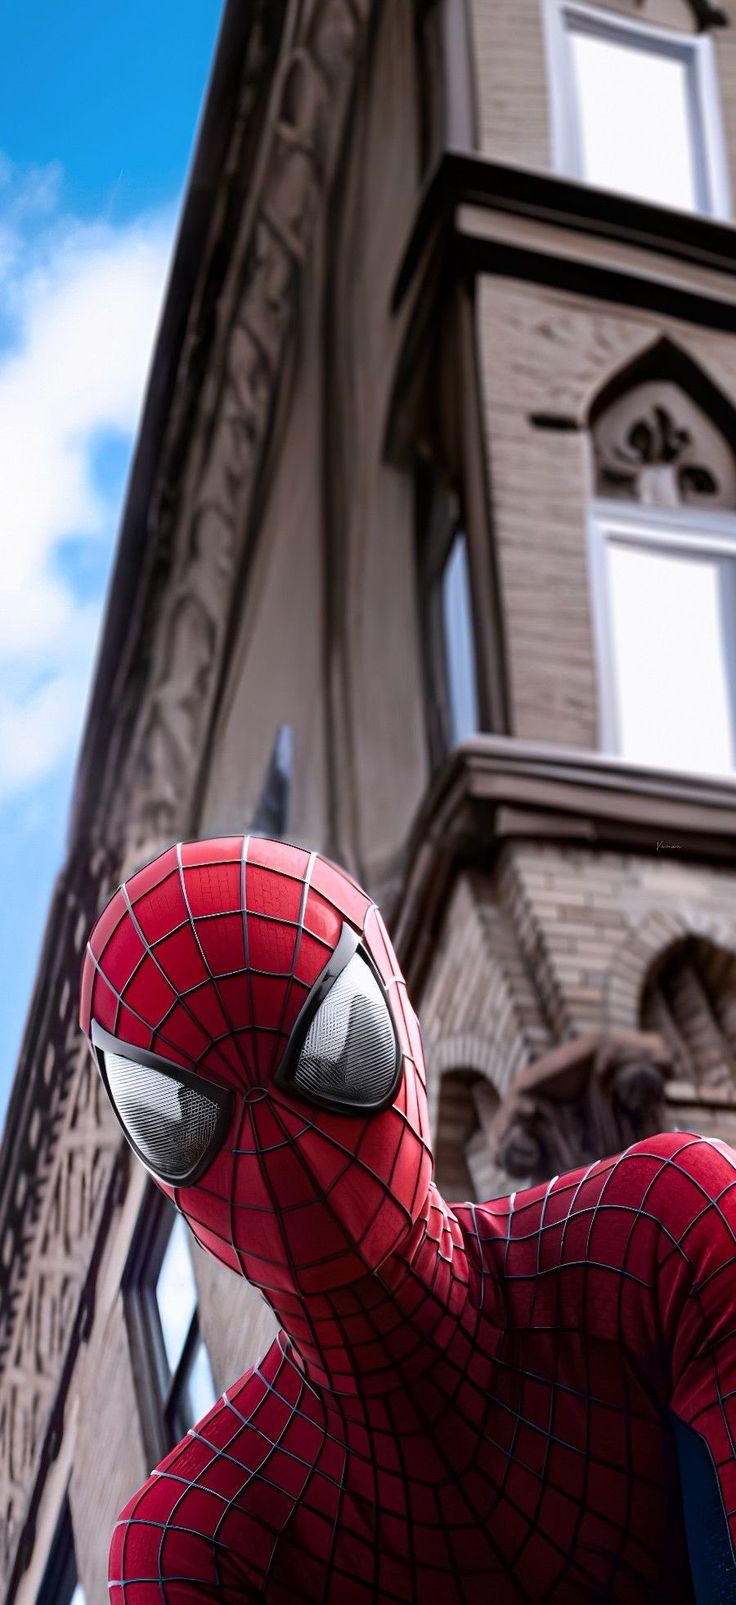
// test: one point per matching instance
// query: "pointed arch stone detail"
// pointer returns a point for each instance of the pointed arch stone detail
(662, 433)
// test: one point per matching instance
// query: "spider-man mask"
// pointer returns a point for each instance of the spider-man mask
(254, 1034)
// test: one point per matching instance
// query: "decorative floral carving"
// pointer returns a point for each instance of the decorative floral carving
(656, 446)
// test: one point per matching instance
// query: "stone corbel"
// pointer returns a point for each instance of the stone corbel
(584, 1100)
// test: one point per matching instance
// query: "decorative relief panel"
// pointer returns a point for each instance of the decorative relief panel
(63, 1173)
(656, 446)
(210, 532)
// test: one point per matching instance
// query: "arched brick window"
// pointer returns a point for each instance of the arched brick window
(690, 998)
(464, 1152)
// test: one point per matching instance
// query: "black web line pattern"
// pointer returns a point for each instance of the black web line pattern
(484, 1410)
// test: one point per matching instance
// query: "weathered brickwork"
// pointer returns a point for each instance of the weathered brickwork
(553, 944)
(511, 76)
(594, 924)
(480, 1014)
(691, 1000)
(479, 1010)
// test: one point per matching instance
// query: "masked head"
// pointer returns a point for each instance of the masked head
(255, 1037)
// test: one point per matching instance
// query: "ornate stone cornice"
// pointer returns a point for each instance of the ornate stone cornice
(490, 217)
(494, 789)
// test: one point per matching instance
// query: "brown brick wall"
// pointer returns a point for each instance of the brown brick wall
(553, 943)
(511, 78)
(478, 1009)
(591, 924)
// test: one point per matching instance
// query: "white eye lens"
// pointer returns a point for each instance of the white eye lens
(349, 1053)
(171, 1124)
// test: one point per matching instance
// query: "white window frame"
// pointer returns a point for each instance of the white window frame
(683, 531)
(695, 50)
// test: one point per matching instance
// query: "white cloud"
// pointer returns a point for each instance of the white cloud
(79, 304)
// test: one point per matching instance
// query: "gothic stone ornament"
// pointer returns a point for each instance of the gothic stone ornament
(656, 446)
(464, 1404)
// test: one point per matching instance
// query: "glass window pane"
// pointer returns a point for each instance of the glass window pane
(635, 114)
(78, 1597)
(176, 1293)
(459, 647)
(201, 1389)
(671, 683)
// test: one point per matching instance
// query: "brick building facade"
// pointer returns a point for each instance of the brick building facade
(427, 560)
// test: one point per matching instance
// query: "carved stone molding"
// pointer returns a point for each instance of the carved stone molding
(59, 1160)
(589, 1098)
(208, 530)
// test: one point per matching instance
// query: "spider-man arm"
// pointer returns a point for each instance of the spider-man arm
(165, 1548)
(144, 1571)
(697, 1305)
(203, 1528)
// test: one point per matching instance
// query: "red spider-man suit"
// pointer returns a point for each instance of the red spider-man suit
(526, 1400)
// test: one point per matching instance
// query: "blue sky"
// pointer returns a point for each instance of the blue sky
(98, 109)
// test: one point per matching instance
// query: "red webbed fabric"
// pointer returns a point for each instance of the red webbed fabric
(466, 1403)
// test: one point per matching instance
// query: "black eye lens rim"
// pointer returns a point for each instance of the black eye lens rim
(103, 1042)
(348, 945)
